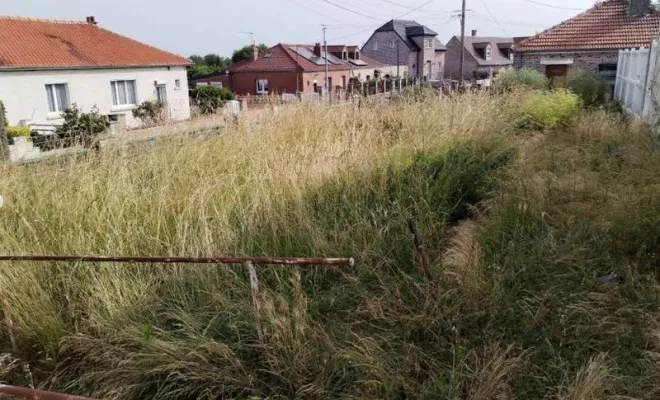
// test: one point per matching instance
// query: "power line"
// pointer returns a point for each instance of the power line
(415, 9)
(351, 11)
(494, 19)
(302, 5)
(538, 3)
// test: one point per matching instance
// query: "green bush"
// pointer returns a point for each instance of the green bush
(18, 131)
(150, 112)
(549, 110)
(593, 89)
(507, 81)
(80, 127)
(210, 98)
(3, 113)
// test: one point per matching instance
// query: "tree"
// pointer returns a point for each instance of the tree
(210, 98)
(244, 53)
(210, 64)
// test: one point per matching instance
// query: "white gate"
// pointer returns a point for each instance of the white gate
(635, 78)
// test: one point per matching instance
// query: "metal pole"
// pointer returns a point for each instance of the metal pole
(398, 63)
(188, 260)
(462, 61)
(325, 45)
(35, 394)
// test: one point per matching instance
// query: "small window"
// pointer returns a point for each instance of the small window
(177, 84)
(343, 81)
(217, 84)
(357, 55)
(123, 93)
(429, 43)
(489, 52)
(375, 45)
(344, 55)
(392, 44)
(262, 86)
(268, 55)
(200, 84)
(58, 97)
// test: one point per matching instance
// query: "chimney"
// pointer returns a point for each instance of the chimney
(254, 51)
(317, 49)
(638, 8)
(91, 20)
(474, 33)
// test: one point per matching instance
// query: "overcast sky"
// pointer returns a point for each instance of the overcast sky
(215, 26)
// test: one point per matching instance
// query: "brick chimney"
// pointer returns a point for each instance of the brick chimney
(91, 20)
(254, 52)
(474, 33)
(638, 8)
(317, 49)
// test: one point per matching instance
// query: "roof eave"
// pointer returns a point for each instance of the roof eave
(84, 67)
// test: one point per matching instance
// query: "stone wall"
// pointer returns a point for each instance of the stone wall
(585, 60)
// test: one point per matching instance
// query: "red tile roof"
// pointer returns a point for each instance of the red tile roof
(606, 26)
(281, 58)
(32, 43)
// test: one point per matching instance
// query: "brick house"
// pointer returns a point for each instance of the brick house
(411, 44)
(300, 68)
(482, 54)
(590, 41)
(217, 80)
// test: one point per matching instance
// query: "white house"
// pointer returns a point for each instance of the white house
(46, 66)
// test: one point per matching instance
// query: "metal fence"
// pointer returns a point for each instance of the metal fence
(636, 77)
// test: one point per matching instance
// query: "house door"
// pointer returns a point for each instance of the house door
(161, 93)
(557, 74)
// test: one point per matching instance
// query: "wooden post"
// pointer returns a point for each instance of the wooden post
(10, 326)
(254, 286)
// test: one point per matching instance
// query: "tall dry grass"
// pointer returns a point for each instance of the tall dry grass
(517, 227)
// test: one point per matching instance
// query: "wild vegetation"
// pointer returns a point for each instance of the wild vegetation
(542, 249)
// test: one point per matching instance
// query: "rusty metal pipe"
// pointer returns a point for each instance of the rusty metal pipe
(345, 262)
(35, 394)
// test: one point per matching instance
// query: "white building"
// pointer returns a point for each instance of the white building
(46, 66)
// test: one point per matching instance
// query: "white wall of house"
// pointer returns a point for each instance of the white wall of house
(25, 97)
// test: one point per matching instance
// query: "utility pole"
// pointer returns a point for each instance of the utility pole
(462, 61)
(251, 37)
(398, 63)
(325, 46)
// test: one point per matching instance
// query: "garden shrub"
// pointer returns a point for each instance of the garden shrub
(593, 89)
(18, 131)
(210, 98)
(3, 113)
(549, 110)
(511, 79)
(80, 127)
(150, 112)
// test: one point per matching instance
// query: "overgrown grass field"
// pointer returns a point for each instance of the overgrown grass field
(518, 223)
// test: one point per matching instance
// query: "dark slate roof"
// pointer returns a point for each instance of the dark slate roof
(407, 29)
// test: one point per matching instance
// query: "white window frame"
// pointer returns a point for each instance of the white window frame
(57, 113)
(262, 86)
(429, 43)
(392, 44)
(488, 52)
(116, 104)
(219, 85)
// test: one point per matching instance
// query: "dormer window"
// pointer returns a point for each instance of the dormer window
(429, 43)
(489, 52)
(357, 55)
(344, 55)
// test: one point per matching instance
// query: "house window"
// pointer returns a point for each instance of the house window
(375, 45)
(489, 52)
(429, 43)
(200, 84)
(177, 84)
(357, 55)
(262, 86)
(58, 97)
(344, 55)
(392, 44)
(343, 81)
(217, 84)
(511, 55)
(123, 93)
